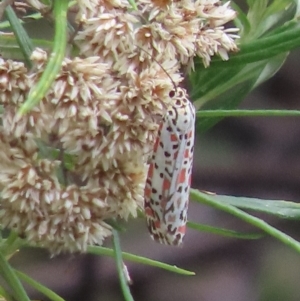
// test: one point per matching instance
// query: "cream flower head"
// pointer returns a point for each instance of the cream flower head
(79, 158)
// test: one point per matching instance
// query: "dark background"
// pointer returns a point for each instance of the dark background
(255, 157)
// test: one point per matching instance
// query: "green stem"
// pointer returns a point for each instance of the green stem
(39, 287)
(11, 244)
(119, 262)
(139, 259)
(12, 280)
(257, 222)
(244, 113)
(55, 59)
(223, 232)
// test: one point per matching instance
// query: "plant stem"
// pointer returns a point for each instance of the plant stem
(255, 221)
(12, 280)
(119, 262)
(244, 113)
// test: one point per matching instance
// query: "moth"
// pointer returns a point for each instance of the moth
(169, 175)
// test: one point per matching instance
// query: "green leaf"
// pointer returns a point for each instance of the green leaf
(298, 8)
(139, 259)
(223, 232)
(35, 16)
(263, 16)
(271, 68)
(20, 34)
(216, 82)
(255, 13)
(226, 100)
(241, 21)
(211, 200)
(225, 84)
(280, 40)
(11, 50)
(281, 209)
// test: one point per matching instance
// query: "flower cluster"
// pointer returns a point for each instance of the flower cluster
(79, 158)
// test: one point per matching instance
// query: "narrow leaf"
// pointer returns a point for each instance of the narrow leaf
(223, 232)
(20, 34)
(279, 208)
(139, 259)
(210, 200)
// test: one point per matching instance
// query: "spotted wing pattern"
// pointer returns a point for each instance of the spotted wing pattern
(169, 175)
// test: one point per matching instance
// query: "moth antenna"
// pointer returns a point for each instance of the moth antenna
(161, 66)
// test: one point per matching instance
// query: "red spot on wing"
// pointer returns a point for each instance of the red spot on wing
(166, 185)
(187, 153)
(157, 224)
(149, 212)
(190, 134)
(173, 137)
(156, 145)
(147, 192)
(150, 171)
(181, 229)
(182, 176)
